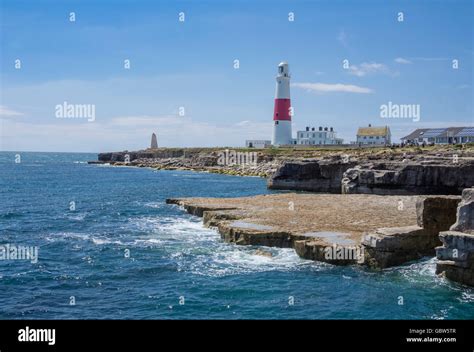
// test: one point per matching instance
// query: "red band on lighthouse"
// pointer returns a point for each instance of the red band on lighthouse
(282, 110)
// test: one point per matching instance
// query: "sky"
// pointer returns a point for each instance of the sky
(347, 59)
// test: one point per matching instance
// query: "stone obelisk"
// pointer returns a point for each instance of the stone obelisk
(154, 142)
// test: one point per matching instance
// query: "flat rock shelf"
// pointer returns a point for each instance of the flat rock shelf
(312, 224)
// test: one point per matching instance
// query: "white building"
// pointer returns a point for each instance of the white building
(449, 135)
(374, 135)
(258, 143)
(322, 136)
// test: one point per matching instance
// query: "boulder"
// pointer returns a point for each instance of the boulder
(465, 212)
(437, 213)
(456, 255)
(397, 245)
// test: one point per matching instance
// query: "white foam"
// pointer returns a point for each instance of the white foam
(78, 216)
(148, 241)
(153, 205)
(60, 236)
(102, 241)
(201, 251)
(94, 238)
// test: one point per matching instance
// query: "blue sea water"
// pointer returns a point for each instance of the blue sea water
(173, 259)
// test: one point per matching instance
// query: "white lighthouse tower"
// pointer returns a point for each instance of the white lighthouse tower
(283, 111)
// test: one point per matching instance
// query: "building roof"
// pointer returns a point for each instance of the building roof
(440, 132)
(451, 131)
(416, 133)
(433, 132)
(466, 132)
(373, 131)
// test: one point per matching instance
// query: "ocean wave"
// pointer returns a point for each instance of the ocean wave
(152, 241)
(96, 239)
(153, 205)
(77, 216)
(229, 259)
(102, 241)
(422, 271)
(201, 251)
(62, 236)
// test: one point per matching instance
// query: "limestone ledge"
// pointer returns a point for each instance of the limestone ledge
(338, 229)
(338, 225)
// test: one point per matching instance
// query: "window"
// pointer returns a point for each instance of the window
(276, 122)
(377, 137)
(280, 69)
(365, 137)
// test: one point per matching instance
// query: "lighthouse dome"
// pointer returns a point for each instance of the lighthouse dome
(283, 69)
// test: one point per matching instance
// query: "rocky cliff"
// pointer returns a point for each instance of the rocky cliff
(434, 170)
(414, 178)
(420, 176)
(456, 255)
(311, 175)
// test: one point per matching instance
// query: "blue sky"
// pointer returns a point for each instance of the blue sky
(190, 64)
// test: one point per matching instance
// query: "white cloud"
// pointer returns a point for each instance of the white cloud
(366, 68)
(6, 112)
(331, 88)
(243, 123)
(402, 61)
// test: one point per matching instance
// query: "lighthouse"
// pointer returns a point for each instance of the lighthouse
(283, 111)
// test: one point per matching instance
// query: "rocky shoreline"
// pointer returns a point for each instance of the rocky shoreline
(192, 159)
(391, 171)
(376, 207)
(369, 230)
(392, 230)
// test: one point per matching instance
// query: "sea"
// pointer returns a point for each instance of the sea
(108, 247)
